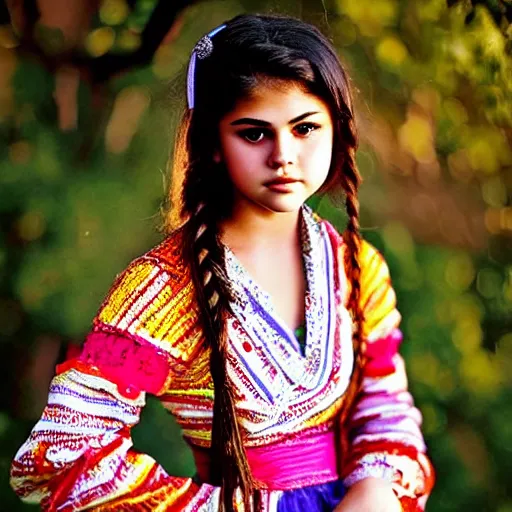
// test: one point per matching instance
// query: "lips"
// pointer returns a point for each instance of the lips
(280, 181)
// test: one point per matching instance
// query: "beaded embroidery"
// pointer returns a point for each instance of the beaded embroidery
(294, 378)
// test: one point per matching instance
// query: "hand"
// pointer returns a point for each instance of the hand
(370, 495)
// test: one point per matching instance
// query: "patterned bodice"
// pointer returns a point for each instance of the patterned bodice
(279, 391)
(147, 337)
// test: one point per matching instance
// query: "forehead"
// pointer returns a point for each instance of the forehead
(277, 103)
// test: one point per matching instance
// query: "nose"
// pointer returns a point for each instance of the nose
(283, 153)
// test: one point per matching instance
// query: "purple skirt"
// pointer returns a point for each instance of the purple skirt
(317, 498)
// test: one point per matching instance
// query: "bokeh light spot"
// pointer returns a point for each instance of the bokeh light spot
(397, 238)
(129, 106)
(481, 376)
(7, 38)
(482, 157)
(416, 137)
(425, 368)
(114, 12)
(128, 40)
(431, 10)
(494, 192)
(467, 335)
(391, 51)
(31, 226)
(100, 41)
(460, 272)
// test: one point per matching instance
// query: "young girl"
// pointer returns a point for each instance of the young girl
(271, 338)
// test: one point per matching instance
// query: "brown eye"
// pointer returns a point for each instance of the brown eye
(305, 129)
(253, 135)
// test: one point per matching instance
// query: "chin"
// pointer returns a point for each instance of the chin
(284, 205)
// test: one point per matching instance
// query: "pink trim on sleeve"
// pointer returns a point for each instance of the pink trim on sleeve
(133, 366)
(380, 354)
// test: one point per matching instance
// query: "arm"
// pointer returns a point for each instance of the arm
(385, 440)
(79, 455)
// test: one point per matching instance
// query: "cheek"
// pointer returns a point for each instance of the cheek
(318, 158)
(241, 159)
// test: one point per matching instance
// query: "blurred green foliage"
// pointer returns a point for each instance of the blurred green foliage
(83, 173)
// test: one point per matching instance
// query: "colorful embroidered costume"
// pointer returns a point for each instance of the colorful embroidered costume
(146, 339)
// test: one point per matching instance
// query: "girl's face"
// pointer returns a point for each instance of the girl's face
(277, 147)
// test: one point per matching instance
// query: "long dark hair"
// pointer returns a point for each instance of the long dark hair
(248, 51)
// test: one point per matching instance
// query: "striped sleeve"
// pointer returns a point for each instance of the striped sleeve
(384, 426)
(80, 456)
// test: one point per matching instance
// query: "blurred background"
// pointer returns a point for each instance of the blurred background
(90, 93)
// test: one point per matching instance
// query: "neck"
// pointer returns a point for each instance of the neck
(263, 228)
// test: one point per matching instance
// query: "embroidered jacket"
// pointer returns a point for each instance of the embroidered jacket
(146, 338)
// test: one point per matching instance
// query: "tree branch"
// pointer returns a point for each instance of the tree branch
(161, 21)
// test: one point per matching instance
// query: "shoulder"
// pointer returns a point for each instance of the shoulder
(152, 299)
(144, 276)
(377, 296)
(371, 261)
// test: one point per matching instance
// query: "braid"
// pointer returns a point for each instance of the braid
(229, 467)
(351, 182)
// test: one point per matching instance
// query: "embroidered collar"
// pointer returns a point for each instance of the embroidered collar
(254, 309)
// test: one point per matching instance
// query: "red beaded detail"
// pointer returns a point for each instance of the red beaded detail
(247, 346)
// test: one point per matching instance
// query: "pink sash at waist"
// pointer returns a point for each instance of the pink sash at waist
(301, 462)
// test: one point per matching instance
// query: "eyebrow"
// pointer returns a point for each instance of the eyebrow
(264, 124)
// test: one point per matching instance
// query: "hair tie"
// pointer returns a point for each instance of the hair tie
(202, 50)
